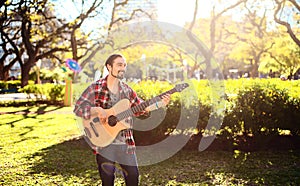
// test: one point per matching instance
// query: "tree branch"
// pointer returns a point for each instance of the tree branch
(286, 24)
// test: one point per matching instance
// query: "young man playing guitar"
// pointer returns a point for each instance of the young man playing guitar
(97, 99)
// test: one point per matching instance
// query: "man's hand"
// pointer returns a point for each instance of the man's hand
(166, 99)
(99, 112)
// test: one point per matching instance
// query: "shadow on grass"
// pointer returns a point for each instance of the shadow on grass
(26, 113)
(41, 110)
(73, 158)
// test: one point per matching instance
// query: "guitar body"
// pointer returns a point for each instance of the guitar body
(100, 133)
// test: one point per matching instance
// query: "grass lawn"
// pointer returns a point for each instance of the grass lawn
(42, 147)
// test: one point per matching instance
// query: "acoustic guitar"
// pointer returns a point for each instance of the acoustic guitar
(102, 133)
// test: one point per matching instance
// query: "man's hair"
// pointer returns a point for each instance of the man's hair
(111, 58)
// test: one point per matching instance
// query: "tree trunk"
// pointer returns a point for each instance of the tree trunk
(1, 71)
(254, 71)
(4, 70)
(25, 73)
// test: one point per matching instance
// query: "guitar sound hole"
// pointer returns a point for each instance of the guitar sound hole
(112, 120)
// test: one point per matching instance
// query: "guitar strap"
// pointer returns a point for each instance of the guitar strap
(128, 132)
(124, 90)
(125, 94)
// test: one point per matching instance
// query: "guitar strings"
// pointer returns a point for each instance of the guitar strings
(131, 111)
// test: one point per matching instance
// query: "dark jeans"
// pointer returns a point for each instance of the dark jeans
(107, 160)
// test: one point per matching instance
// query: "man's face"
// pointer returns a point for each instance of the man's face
(118, 68)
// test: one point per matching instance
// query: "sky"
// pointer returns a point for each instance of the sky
(179, 12)
(175, 12)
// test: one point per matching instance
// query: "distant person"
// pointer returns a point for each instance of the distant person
(271, 74)
(282, 77)
(290, 77)
(11, 78)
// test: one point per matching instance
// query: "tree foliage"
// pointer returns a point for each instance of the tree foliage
(247, 42)
(284, 57)
(287, 13)
(30, 31)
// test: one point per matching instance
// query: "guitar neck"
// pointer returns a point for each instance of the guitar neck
(141, 107)
(147, 103)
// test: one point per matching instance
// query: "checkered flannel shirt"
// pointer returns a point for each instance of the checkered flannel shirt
(97, 95)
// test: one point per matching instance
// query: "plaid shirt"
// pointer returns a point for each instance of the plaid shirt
(97, 95)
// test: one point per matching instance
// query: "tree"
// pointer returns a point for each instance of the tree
(84, 49)
(44, 35)
(213, 37)
(290, 9)
(252, 33)
(284, 56)
(254, 38)
(9, 42)
(31, 33)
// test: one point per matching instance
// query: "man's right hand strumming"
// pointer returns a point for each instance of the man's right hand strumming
(99, 112)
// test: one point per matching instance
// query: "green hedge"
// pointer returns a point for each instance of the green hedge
(259, 114)
(48, 91)
(9, 86)
(264, 114)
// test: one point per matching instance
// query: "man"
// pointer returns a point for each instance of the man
(103, 94)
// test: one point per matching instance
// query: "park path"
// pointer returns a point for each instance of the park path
(41, 110)
(26, 112)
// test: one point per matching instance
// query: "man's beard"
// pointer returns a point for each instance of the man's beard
(120, 75)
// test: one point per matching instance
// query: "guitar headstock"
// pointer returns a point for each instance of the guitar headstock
(181, 87)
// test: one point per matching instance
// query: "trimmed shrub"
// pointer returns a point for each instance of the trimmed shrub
(48, 91)
(261, 113)
(10, 86)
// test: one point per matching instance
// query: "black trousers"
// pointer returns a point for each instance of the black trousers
(107, 159)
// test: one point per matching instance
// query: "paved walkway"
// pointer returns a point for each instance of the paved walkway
(22, 96)
(15, 96)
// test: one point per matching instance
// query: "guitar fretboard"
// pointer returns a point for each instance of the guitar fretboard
(141, 107)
